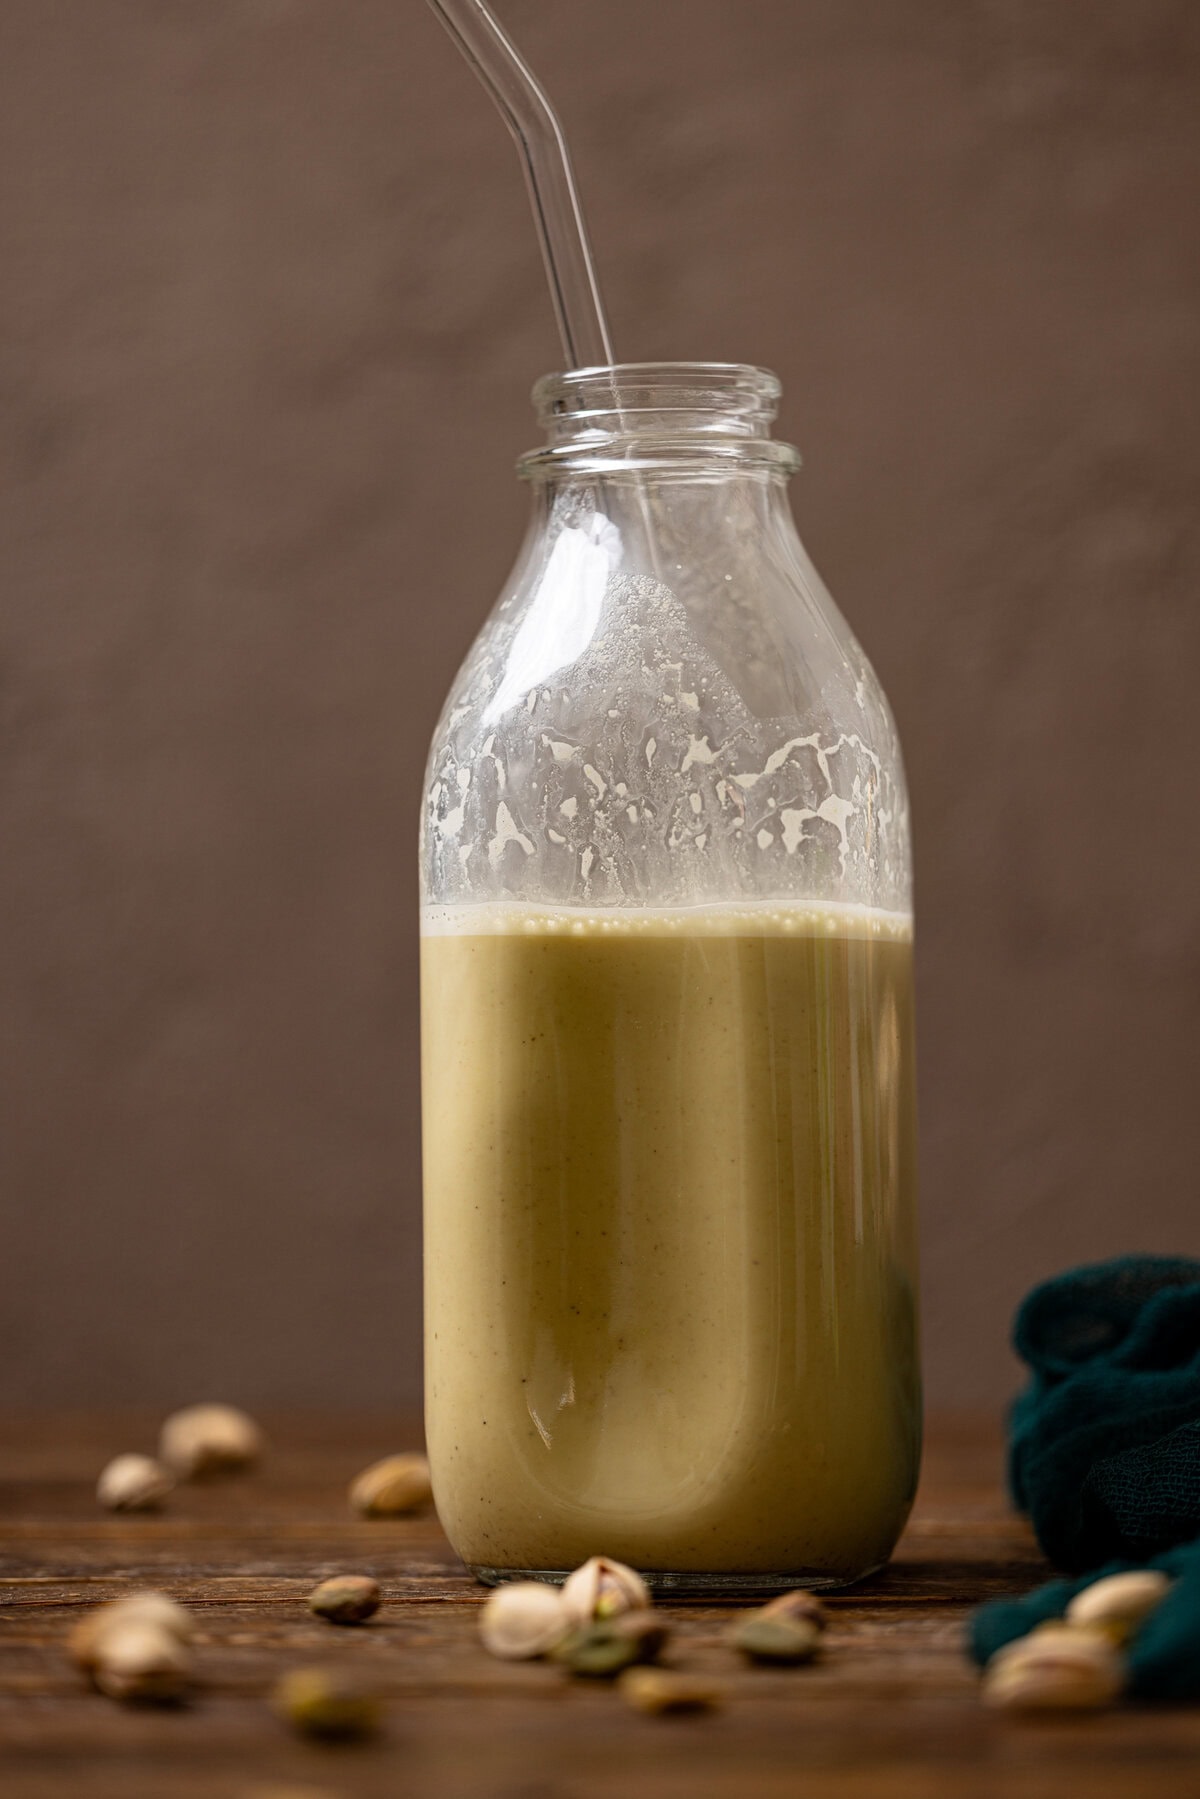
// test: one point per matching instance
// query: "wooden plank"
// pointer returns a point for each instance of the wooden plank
(890, 1712)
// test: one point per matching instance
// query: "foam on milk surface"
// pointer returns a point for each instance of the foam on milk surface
(756, 917)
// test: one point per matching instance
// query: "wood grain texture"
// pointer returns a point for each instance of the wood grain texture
(890, 1712)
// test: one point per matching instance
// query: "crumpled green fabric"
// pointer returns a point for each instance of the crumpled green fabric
(1104, 1445)
(1104, 1454)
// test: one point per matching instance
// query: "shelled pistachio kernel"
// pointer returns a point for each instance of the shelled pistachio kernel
(522, 1620)
(602, 1649)
(149, 1607)
(601, 1588)
(202, 1440)
(657, 1690)
(140, 1660)
(133, 1483)
(1120, 1603)
(346, 1599)
(1058, 1666)
(787, 1631)
(785, 1641)
(330, 1703)
(392, 1487)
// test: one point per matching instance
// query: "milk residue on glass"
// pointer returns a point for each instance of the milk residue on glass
(644, 768)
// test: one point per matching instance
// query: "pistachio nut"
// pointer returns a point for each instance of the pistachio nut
(604, 1648)
(330, 1703)
(138, 1659)
(392, 1487)
(1056, 1667)
(657, 1690)
(780, 1638)
(799, 1603)
(346, 1599)
(1121, 1603)
(602, 1588)
(148, 1608)
(209, 1439)
(133, 1483)
(523, 1620)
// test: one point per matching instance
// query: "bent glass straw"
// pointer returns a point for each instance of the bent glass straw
(548, 174)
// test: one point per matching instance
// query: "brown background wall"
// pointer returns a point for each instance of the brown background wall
(269, 310)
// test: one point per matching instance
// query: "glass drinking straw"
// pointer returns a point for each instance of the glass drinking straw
(557, 213)
(548, 174)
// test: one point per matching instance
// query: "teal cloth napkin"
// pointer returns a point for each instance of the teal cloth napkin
(1104, 1444)
(1104, 1453)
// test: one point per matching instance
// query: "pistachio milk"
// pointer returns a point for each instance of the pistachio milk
(670, 1237)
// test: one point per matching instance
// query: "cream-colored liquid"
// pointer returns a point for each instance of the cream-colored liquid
(669, 1237)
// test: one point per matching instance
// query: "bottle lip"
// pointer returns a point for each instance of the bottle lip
(657, 415)
(727, 387)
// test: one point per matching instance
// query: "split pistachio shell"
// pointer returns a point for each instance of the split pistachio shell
(602, 1588)
(523, 1620)
(139, 1660)
(346, 1599)
(657, 1690)
(329, 1703)
(133, 1483)
(1120, 1603)
(1056, 1667)
(209, 1439)
(148, 1608)
(392, 1487)
(601, 1650)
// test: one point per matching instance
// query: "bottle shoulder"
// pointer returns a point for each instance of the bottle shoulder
(611, 741)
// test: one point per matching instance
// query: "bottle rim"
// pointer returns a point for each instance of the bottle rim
(730, 387)
(657, 415)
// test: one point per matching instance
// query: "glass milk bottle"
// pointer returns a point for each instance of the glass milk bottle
(667, 1041)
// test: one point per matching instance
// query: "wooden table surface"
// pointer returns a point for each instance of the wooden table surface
(891, 1711)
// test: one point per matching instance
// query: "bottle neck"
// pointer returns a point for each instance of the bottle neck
(698, 421)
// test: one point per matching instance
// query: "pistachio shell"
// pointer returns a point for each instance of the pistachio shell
(330, 1703)
(523, 1620)
(202, 1440)
(799, 1603)
(148, 1607)
(657, 1690)
(602, 1588)
(138, 1660)
(1120, 1603)
(346, 1599)
(1056, 1667)
(392, 1487)
(133, 1483)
